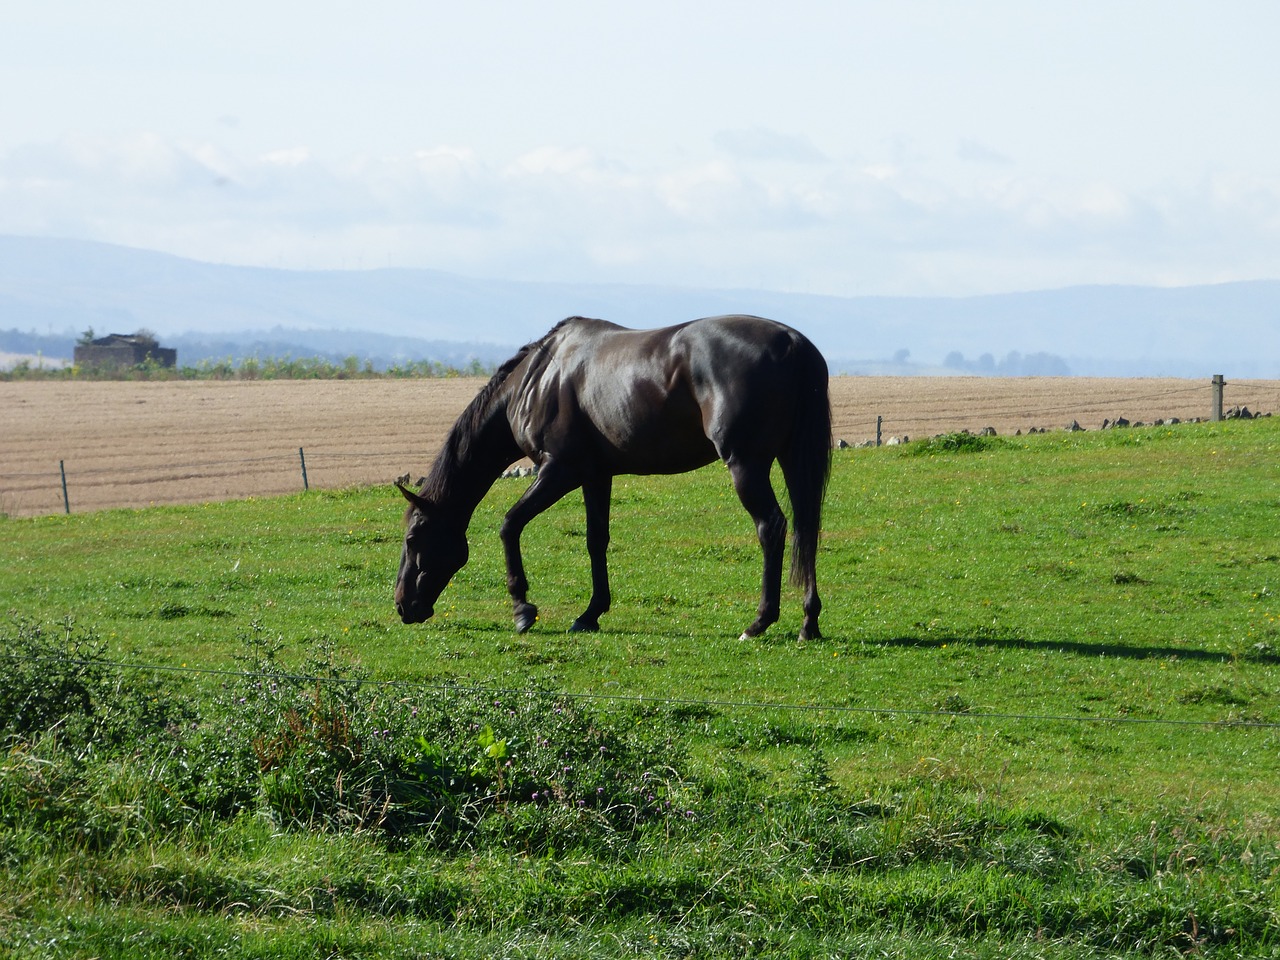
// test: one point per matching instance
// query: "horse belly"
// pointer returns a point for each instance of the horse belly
(657, 430)
(667, 457)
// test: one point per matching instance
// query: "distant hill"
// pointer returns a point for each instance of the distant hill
(56, 289)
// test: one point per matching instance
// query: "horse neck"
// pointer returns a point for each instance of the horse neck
(476, 451)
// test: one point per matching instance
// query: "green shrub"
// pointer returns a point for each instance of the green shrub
(63, 682)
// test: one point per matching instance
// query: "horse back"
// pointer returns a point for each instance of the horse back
(666, 400)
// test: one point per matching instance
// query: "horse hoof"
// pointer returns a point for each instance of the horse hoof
(526, 619)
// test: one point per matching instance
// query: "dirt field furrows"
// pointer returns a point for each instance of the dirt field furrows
(127, 444)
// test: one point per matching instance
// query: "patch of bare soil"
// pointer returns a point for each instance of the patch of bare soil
(131, 444)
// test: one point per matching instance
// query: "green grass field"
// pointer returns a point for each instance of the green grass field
(1044, 721)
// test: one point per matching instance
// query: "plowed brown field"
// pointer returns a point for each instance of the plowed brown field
(127, 444)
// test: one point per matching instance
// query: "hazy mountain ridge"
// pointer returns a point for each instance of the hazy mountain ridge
(55, 289)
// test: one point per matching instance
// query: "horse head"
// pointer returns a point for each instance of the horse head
(435, 548)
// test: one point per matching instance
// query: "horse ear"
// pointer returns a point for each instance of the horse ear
(417, 500)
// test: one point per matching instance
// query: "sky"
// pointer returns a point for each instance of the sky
(848, 148)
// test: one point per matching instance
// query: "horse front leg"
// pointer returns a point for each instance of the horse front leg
(751, 481)
(525, 613)
(595, 495)
(551, 484)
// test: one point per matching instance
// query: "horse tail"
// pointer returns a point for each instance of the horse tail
(806, 466)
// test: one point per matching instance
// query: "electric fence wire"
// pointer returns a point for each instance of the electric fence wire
(1032, 414)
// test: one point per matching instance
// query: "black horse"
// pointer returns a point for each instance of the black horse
(591, 400)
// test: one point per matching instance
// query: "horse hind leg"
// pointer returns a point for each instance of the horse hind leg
(751, 481)
(812, 607)
(804, 549)
(806, 467)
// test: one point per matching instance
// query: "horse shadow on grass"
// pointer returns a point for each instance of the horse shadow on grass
(1262, 655)
(552, 631)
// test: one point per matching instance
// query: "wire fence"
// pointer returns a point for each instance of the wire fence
(67, 485)
(125, 478)
(1183, 404)
(1083, 407)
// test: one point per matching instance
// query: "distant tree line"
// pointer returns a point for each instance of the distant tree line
(1014, 364)
(53, 345)
(251, 367)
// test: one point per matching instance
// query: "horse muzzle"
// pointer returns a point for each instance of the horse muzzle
(415, 613)
(413, 608)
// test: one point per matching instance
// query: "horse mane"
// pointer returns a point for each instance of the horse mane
(457, 443)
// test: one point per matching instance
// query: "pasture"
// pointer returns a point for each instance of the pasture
(1042, 722)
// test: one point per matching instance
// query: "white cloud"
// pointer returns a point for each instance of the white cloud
(574, 214)
(290, 157)
(761, 144)
(972, 150)
(559, 162)
(881, 171)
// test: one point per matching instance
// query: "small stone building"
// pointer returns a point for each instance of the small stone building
(123, 350)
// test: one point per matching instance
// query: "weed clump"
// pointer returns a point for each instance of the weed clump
(947, 443)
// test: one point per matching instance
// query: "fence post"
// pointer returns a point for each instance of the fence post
(62, 469)
(879, 424)
(303, 457)
(1218, 383)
